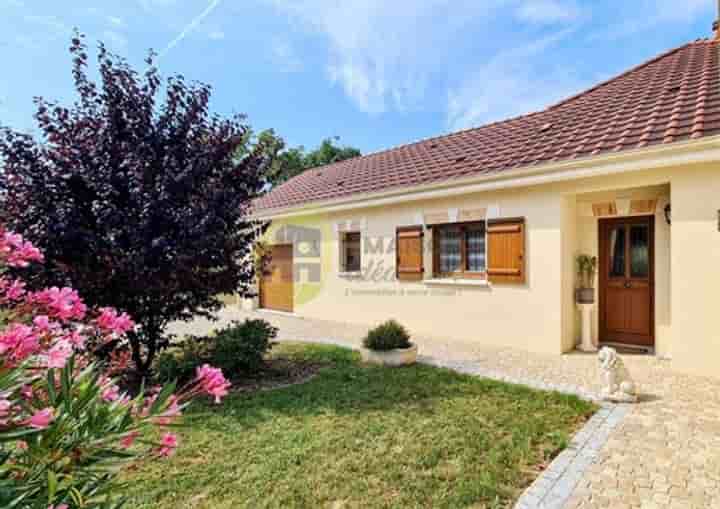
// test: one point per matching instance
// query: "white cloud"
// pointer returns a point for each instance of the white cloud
(216, 35)
(382, 52)
(284, 57)
(510, 85)
(547, 11)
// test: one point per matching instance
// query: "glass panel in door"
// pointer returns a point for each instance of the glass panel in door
(639, 251)
(617, 251)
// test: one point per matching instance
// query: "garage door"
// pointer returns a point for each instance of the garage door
(276, 284)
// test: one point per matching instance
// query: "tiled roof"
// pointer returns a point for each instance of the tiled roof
(674, 97)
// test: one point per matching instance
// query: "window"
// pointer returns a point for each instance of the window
(493, 250)
(460, 250)
(350, 252)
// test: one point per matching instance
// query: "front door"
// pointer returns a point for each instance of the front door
(627, 280)
(276, 283)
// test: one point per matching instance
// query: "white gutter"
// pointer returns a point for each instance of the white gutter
(658, 156)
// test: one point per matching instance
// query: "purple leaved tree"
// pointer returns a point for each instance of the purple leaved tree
(135, 196)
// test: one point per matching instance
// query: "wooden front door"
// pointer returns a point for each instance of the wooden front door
(276, 284)
(627, 280)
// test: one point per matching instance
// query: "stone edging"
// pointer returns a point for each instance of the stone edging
(557, 483)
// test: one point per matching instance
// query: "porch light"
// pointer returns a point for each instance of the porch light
(668, 214)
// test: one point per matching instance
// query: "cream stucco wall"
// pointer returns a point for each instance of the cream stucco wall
(539, 315)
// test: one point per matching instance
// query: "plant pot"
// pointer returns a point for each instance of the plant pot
(397, 357)
(585, 295)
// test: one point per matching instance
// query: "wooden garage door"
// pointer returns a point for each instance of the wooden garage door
(276, 284)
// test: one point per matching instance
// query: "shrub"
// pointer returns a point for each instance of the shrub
(180, 365)
(387, 336)
(240, 348)
(236, 349)
(65, 426)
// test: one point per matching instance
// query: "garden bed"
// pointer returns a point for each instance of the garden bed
(363, 436)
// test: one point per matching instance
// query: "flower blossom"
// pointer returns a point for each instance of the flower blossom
(17, 251)
(41, 419)
(111, 393)
(12, 290)
(18, 342)
(110, 322)
(61, 303)
(168, 444)
(58, 355)
(212, 382)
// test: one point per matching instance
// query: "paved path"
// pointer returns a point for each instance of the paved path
(662, 452)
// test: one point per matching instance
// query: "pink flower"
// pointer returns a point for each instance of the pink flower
(18, 342)
(110, 322)
(42, 324)
(127, 441)
(212, 382)
(168, 444)
(112, 393)
(173, 411)
(41, 419)
(22, 445)
(26, 391)
(61, 506)
(63, 304)
(17, 251)
(5, 407)
(77, 339)
(14, 290)
(58, 355)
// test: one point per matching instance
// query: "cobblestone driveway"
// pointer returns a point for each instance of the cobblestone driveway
(664, 453)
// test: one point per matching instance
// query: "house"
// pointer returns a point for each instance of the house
(474, 235)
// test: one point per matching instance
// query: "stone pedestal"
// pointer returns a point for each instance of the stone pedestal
(586, 342)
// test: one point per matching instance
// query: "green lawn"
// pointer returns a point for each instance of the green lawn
(357, 436)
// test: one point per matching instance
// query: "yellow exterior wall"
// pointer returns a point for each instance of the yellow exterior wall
(695, 265)
(540, 315)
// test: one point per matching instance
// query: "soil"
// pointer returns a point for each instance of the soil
(277, 373)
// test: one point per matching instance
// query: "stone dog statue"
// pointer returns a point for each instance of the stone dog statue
(618, 386)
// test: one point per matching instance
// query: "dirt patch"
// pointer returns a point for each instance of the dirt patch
(277, 373)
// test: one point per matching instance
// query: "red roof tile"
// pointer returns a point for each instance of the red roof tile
(674, 97)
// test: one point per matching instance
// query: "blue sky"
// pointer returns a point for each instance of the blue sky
(377, 73)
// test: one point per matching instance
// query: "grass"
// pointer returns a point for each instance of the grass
(359, 436)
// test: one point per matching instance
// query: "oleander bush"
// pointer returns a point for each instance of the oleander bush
(66, 427)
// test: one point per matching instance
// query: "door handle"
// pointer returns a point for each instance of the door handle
(628, 284)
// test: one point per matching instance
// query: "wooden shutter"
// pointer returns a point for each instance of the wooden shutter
(409, 259)
(506, 251)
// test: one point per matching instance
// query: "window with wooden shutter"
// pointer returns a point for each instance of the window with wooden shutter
(409, 259)
(506, 251)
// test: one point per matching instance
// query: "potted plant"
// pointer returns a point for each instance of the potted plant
(389, 344)
(586, 269)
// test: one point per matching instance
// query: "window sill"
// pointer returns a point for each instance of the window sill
(350, 275)
(458, 282)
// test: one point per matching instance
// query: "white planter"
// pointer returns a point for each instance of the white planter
(397, 357)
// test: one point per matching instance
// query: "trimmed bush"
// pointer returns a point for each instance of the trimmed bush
(240, 347)
(387, 336)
